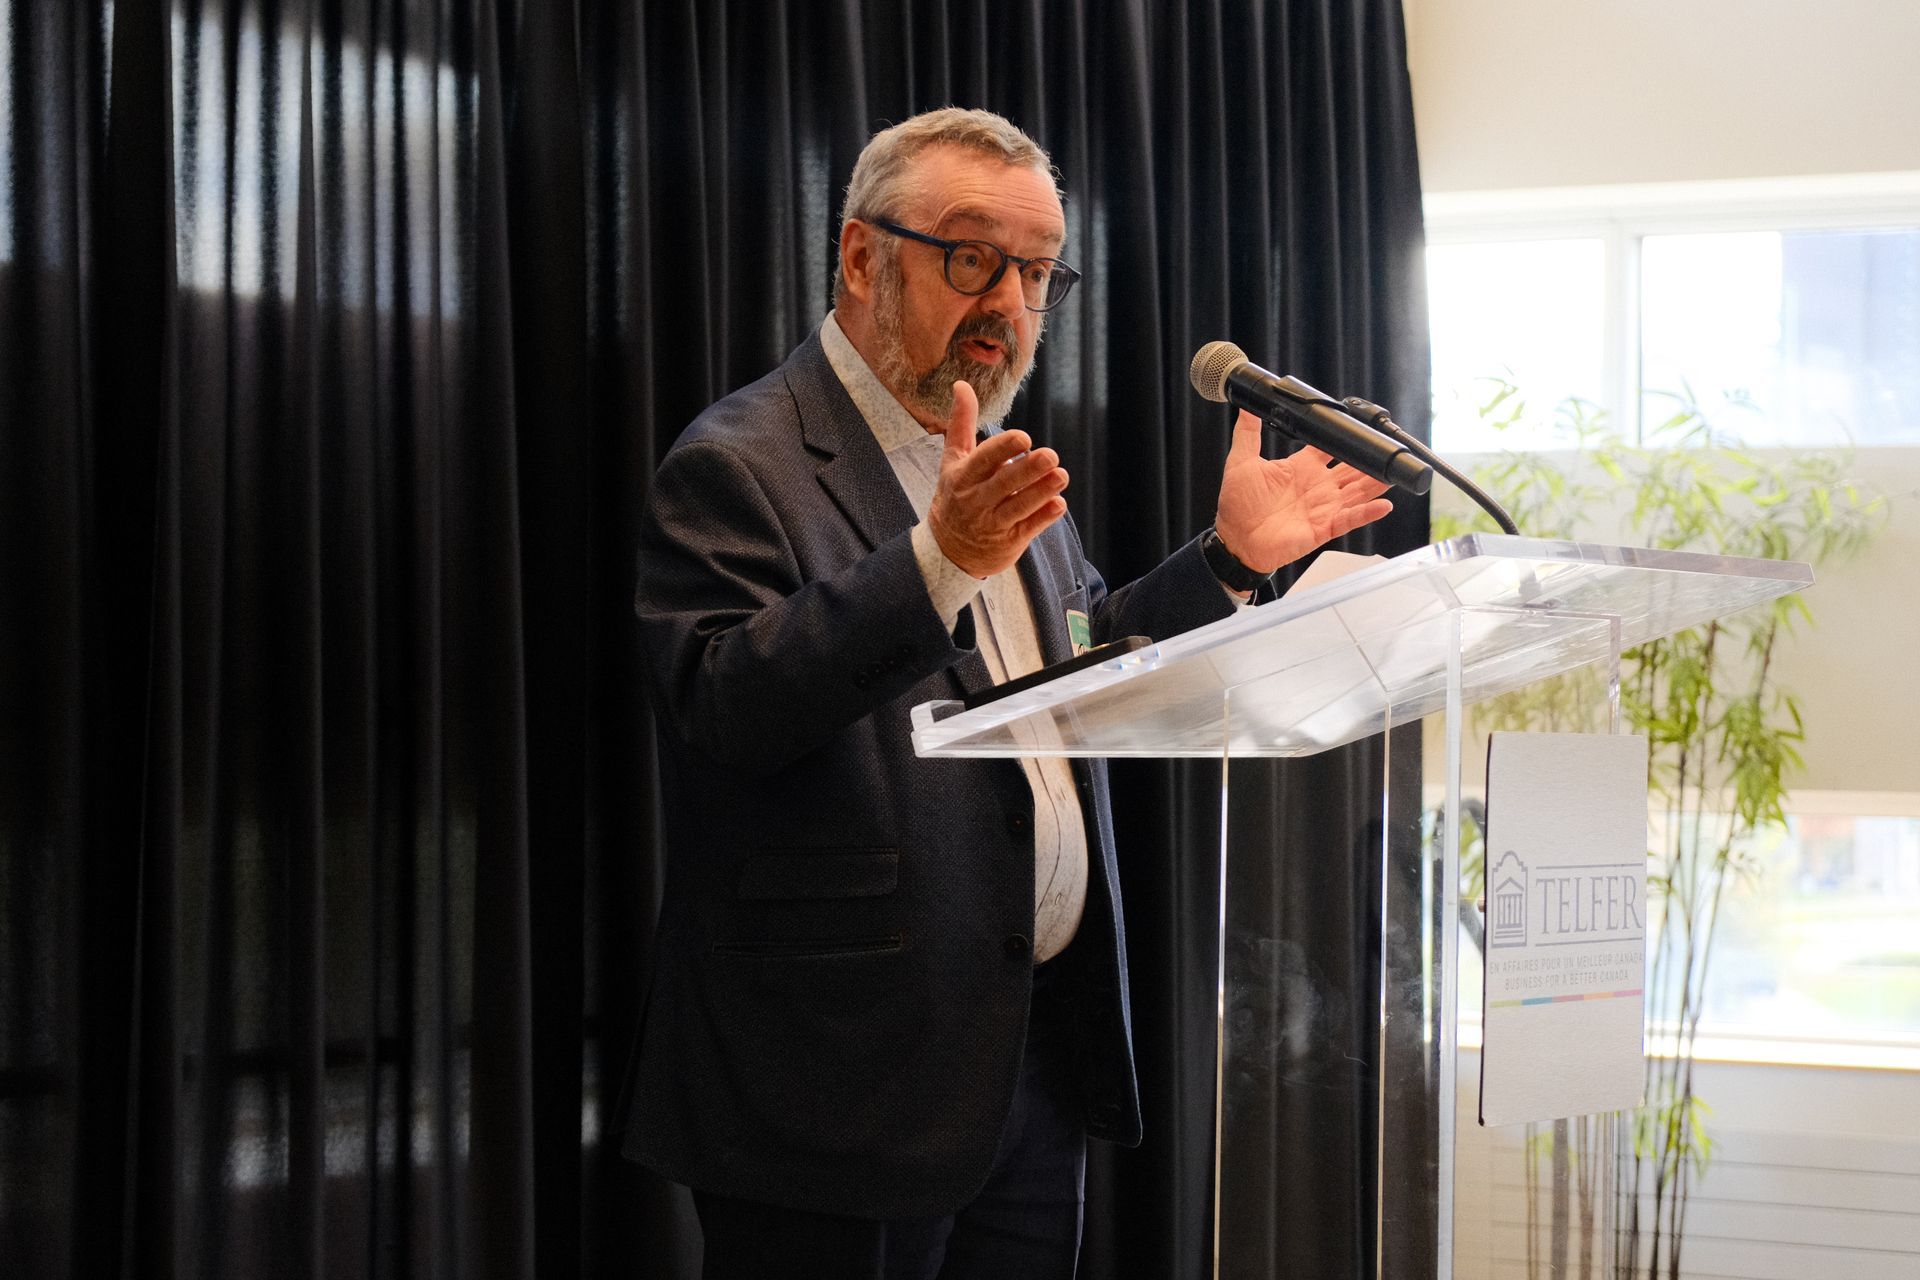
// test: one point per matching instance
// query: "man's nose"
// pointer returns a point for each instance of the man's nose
(1006, 298)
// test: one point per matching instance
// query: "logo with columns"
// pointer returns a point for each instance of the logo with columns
(1507, 902)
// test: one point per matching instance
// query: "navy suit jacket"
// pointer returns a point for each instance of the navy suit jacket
(842, 967)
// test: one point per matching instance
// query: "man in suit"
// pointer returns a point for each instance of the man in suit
(890, 996)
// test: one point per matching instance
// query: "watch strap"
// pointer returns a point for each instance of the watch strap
(1227, 567)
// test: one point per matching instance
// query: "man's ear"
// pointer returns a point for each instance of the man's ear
(856, 259)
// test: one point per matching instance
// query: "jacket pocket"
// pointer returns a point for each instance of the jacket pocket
(812, 874)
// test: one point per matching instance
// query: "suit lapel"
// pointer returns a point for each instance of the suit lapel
(855, 473)
(853, 468)
(1040, 577)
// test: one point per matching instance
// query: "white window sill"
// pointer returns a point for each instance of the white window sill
(1778, 1051)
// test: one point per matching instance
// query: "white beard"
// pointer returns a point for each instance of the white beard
(930, 394)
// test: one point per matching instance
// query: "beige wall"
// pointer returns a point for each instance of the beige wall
(1543, 93)
(1858, 669)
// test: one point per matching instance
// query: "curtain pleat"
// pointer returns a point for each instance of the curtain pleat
(338, 341)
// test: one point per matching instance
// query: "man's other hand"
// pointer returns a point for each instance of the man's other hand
(1275, 510)
(994, 496)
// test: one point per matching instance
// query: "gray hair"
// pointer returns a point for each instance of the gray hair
(883, 178)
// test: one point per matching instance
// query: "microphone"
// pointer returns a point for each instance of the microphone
(1221, 372)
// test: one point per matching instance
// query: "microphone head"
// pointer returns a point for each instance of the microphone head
(1211, 365)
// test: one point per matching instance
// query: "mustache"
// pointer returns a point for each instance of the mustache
(993, 328)
(994, 384)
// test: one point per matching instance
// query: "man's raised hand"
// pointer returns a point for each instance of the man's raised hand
(995, 495)
(1275, 510)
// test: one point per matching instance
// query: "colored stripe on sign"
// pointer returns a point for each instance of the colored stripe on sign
(1594, 995)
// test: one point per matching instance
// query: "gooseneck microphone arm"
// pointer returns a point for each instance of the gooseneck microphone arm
(1376, 417)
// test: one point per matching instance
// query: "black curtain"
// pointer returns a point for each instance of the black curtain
(338, 339)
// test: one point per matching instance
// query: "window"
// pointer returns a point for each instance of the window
(1819, 942)
(1789, 311)
(1529, 312)
(1817, 331)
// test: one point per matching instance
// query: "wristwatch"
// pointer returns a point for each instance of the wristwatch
(1233, 575)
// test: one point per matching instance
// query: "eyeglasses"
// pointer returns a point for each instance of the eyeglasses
(974, 266)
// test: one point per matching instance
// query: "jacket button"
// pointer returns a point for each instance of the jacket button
(1017, 823)
(1016, 945)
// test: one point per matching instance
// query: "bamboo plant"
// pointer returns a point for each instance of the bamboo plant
(1723, 733)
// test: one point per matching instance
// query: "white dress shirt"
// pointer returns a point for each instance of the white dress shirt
(1004, 627)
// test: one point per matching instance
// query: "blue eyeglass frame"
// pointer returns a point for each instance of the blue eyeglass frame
(946, 267)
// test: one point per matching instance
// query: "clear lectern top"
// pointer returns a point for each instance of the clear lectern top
(1354, 647)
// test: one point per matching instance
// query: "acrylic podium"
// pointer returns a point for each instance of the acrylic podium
(1428, 633)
